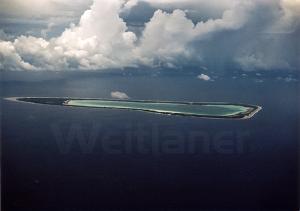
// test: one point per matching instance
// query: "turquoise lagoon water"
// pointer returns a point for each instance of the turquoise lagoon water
(191, 109)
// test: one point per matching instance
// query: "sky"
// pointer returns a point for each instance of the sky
(62, 35)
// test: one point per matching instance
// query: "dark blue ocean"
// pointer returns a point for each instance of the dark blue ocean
(58, 158)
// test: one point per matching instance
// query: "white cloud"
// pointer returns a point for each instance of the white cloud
(289, 18)
(167, 36)
(10, 58)
(102, 40)
(119, 95)
(204, 77)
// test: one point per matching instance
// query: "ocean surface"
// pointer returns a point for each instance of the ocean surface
(67, 158)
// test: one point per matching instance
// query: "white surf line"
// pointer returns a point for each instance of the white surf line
(65, 103)
(15, 99)
(250, 115)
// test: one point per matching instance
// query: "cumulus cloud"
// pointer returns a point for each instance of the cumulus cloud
(204, 77)
(99, 41)
(167, 36)
(119, 95)
(10, 58)
(102, 39)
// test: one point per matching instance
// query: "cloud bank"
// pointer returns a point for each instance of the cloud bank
(251, 34)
